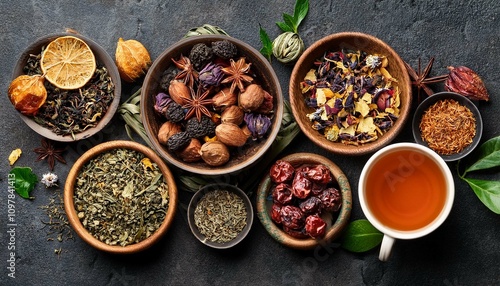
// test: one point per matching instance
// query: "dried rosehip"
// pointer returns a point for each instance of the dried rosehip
(292, 217)
(281, 171)
(315, 226)
(282, 194)
(276, 213)
(311, 205)
(466, 82)
(319, 174)
(301, 186)
(297, 233)
(330, 199)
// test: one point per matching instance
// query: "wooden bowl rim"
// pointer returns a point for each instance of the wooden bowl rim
(72, 214)
(333, 232)
(336, 41)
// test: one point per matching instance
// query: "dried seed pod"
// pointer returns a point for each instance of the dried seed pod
(132, 59)
(251, 98)
(168, 129)
(214, 153)
(179, 92)
(27, 93)
(224, 98)
(466, 82)
(192, 152)
(230, 134)
(233, 114)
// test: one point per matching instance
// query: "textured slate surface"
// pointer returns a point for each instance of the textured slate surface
(465, 250)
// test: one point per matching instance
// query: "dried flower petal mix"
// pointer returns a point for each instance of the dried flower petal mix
(354, 97)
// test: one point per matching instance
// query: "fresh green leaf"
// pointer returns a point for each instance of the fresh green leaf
(487, 191)
(267, 44)
(489, 156)
(284, 27)
(24, 181)
(300, 11)
(361, 236)
(290, 21)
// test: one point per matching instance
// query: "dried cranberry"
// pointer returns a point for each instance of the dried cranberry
(281, 171)
(319, 174)
(282, 194)
(297, 233)
(301, 186)
(292, 217)
(311, 205)
(276, 213)
(315, 226)
(330, 199)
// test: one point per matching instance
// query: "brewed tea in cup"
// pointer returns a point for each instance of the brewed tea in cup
(406, 191)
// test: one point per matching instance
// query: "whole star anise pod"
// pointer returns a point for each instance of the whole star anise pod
(187, 74)
(196, 105)
(49, 152)
(420, 79)
(237, 74)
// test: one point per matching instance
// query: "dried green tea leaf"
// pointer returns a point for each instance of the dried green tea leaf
(361, 236)
(487, 191)
(24, 181)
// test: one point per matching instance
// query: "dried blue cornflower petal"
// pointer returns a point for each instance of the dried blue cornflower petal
(162, 100)
(211, 75)
(258, 124)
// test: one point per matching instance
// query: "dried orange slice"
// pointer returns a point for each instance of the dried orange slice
(68, 62)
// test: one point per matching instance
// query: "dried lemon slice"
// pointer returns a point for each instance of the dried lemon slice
(68, 62)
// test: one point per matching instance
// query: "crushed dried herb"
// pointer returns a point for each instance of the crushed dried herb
(57, 223)
(448, 127)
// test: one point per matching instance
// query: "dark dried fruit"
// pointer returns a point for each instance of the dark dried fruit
(319, 174)
(276, 213)
(166, 78)
(296, 233)
(315, 226)
(174, 113)
(301, 186)
(466, 82)
(178, 141)
(224, 49)
(200, 55)
(311, 205)
(330, 199)
(282, 194)
(281, 171)
(196, 129)
(292, 217)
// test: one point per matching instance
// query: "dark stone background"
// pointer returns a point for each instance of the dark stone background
(465, 250)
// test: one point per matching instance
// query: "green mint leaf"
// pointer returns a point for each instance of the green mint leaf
(361, 236)
(487, 191)
(284, 27)
(300, 11)
(290, 21)
(24, 181)
(489, 155)
(267, 44)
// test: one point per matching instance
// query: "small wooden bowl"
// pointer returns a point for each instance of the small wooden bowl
(101, 57)
(72, 214)
(244, 156)
(353, 41)
(334, 229)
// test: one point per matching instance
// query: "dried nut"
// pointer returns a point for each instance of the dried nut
(168, 129)
(192, 152)
(246, 131)
(232, 114)
(214, 153)
(27, 93)
(251, 98)
(132, 59)
(230, 134)
(224, 98)
(466, 82)
(179, 92)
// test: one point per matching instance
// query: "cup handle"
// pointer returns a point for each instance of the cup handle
(386, 247)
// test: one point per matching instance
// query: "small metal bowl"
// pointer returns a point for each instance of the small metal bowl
(462, 100)
(213, 187)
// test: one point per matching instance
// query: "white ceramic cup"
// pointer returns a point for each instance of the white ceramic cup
(391, 234)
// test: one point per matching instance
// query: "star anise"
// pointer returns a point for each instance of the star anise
(420, 79)
(187, 74)
(196, 104)
(49, 152)
(237, 74)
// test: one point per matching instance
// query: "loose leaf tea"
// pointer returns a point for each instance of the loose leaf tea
(119, 199)
(220, 216)
(361, 236)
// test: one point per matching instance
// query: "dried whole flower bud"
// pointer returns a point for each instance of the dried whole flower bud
(168, 129)
(233, 114)
(192, 152)
(211, 75)
(179, 92)
(27, 93)
(258, 124)
(230, 134)
(161, 102)
(224, 98)
(252, 98)
(132, 59)
(214, 153)
(288, 47)
(466, 82)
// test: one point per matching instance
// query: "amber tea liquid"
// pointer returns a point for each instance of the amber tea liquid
(405, 190)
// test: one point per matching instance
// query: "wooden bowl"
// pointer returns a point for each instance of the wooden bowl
(334, 229)
(244, 156)
(72, 213)
(353, 41)
(213, 187)
(102, 57)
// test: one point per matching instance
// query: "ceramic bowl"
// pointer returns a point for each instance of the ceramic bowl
(462, 100)
(241, 158)
(72, 215)
(102, 57)
(210, 188)
(340, 219)
(351, 41)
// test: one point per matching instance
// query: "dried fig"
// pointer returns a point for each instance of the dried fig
(132, 59)
(214, 153)
(27, 93)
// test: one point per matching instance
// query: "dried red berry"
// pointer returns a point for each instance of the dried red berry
(276, 213)
(311, 205)
(292, 217)
(330, 199)
(297, 233)
(466, 82)
(319, 174)
(282, 194)
(281, 171)
(301, 186)
(315, 226)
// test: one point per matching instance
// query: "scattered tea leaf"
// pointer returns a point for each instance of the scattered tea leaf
(267, 44)
(361, 236)
(487, 191)
(14, 155)
(24, 181)
(489, 156)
